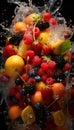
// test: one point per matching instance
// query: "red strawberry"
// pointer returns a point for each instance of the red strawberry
(9, 50)
(46, 49)
(47, 95)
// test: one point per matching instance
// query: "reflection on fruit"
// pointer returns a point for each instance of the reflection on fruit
(14, 65)
(28, 115)
(14, 112)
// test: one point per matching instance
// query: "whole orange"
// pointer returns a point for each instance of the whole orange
(14, 112)
(58, 90)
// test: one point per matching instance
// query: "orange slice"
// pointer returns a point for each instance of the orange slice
(28, 115)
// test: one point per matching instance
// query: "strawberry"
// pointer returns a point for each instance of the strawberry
(47, 95)
(9, 50)
(46, 49)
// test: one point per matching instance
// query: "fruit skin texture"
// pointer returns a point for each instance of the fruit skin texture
(14, 112)
(58, 90)
(13, 65)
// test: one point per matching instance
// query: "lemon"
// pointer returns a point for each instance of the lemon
(59, 118)
(44, 37)
(14, 65)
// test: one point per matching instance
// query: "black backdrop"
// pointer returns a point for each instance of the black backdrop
(6, 12)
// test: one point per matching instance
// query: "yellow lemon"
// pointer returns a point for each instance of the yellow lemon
(13, 65)
(44, 37)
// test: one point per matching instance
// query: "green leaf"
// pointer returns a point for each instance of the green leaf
(65, 46)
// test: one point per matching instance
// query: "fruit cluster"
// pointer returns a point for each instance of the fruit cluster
(37, 58)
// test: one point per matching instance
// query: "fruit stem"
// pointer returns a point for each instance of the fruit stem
(52, 103)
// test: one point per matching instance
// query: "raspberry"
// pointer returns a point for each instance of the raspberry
(49, 81)
(36, 60)
(30, 54)
(18, 96)
(52, 64)
(25, 76)
(18, 88)
(27, 68)
(28, 39)
(67, 67)
(31, 81)
(41, 72)
(44, 66)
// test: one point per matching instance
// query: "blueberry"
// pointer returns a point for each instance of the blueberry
(31, 73)
(23, 91)
(37, 78)
(18, 81)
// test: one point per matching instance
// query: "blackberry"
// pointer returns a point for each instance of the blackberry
(60, 61)
(15, 39)
(42, 25)
(30, 89)
(23, 91)
(59, 76)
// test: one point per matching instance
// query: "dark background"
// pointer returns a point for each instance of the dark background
(6, 13)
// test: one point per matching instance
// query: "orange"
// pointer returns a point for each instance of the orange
(58, 90)
(14, 65)
(14, 112)
(20, 26)
(40, 85)
(32, 18)
(28, 115)
(22, 48)
(37, 97)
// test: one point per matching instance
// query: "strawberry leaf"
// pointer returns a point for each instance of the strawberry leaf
(65, 46)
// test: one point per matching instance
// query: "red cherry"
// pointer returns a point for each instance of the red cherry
(18, 96)
(46, 16)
